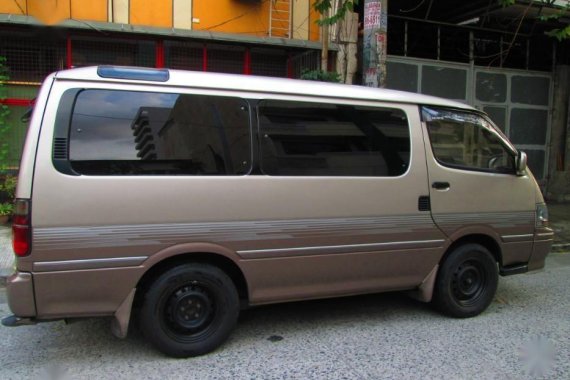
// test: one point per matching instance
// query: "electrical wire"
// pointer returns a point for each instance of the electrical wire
(19, 7)
(414, 8)
(506, 53)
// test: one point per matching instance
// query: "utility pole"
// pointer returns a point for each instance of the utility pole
(375, 42)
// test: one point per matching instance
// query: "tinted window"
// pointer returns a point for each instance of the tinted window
(467, 141)
(125, 132)
(312, 139)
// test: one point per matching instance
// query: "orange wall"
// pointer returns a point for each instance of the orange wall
(229, 16)
(151, 13)
(314, 28)
(49, 11)
(244, 17)
(94, 10)
(11, 6)
(54, 11)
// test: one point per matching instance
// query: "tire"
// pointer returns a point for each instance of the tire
(189, 310)
(466, 282)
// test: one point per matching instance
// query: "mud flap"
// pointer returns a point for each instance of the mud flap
(120, 323)
(424, 292)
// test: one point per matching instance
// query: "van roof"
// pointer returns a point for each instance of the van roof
(259, 84)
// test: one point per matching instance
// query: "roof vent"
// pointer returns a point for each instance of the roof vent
(136, 73)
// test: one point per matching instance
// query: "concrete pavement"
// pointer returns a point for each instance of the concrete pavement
(559, 220)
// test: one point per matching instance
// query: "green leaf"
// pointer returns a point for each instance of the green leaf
(321, 76)
(560, 34)
(323, 6)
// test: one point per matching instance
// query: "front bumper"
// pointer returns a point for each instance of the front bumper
(543, 239)
(20, 292)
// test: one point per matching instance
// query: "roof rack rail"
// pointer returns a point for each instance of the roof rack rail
(133, 73)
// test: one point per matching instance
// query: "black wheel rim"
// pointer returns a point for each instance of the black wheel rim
(468, 282)
(188, 312)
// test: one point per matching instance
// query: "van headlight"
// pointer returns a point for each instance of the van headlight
(541, 219)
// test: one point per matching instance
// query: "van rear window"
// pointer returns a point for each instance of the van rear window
(137, 133)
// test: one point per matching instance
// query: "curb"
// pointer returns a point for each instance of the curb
(4, 274)
(564, 247)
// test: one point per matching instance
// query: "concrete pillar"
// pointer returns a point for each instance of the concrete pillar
(558, 185)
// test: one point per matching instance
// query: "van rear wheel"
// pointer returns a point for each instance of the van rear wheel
(466, 282)
(189, 310)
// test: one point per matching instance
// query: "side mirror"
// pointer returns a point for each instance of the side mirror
(520, 163)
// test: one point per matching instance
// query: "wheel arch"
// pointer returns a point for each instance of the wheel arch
(484, 240)
(425, 291)
(165, 260)
(224, 263)
(205, 253)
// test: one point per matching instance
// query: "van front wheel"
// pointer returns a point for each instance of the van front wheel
(466, 282)
(189, 310)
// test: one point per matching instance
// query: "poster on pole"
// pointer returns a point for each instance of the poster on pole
(374, 44)
(372, 12)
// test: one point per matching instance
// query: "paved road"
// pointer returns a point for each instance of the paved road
(524, 334)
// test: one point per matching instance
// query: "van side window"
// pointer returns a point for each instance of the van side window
(317, 139)
(138, 133)
(468, 141)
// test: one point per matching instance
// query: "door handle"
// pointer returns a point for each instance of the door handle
(440, 185)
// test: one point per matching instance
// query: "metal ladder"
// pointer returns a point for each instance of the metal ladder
(280, 15)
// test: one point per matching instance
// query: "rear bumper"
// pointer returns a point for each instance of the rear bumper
(20, 292)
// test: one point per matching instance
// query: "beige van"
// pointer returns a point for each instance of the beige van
(177, 198)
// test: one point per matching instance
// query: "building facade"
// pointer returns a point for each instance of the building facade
(494, 58)
(252, 37)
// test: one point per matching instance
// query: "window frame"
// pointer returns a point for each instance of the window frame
(502, 139)
(64, 118)
(333, 102)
